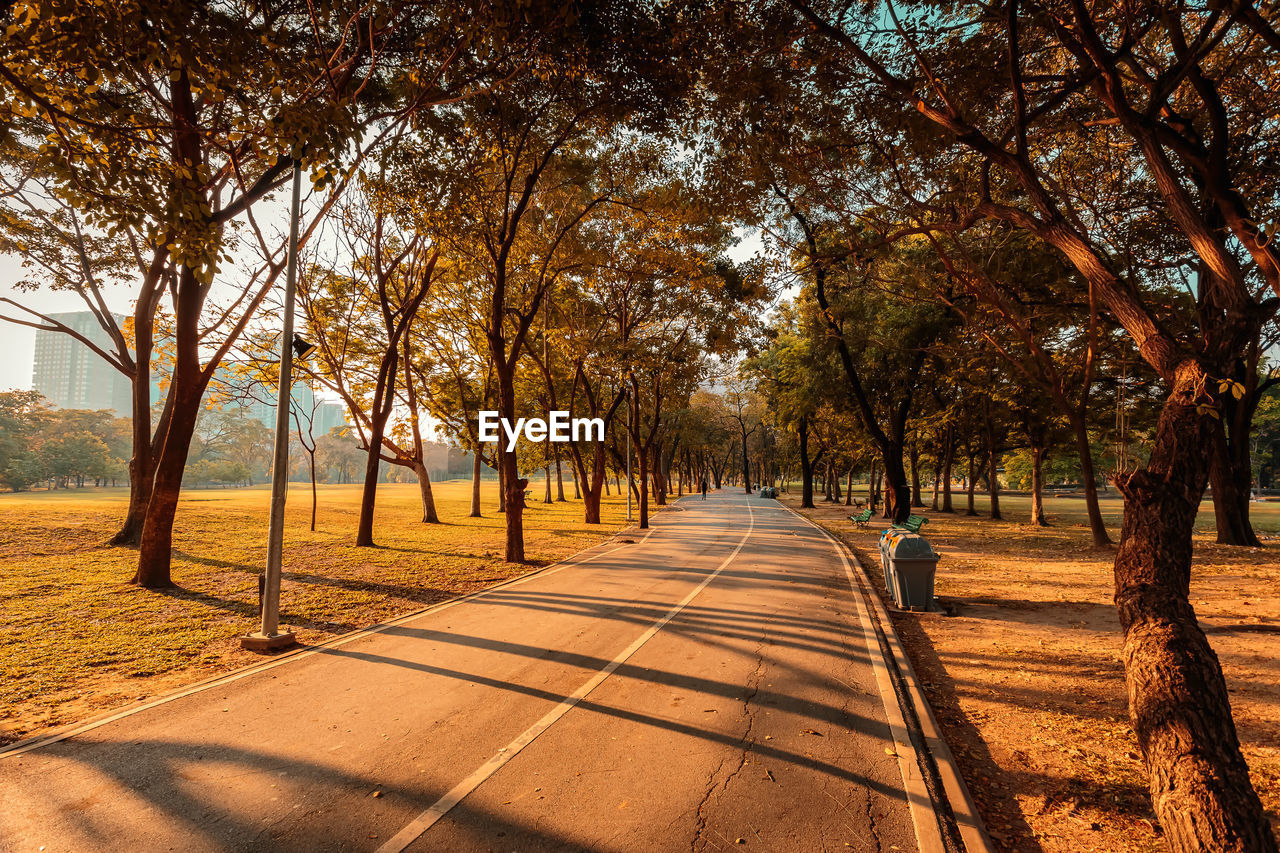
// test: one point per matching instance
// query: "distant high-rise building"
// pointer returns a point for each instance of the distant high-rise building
(328, 416)
(72, 376)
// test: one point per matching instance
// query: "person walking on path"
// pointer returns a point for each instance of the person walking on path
(704, 488)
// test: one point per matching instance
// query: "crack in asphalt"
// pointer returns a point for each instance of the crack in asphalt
(753, 689)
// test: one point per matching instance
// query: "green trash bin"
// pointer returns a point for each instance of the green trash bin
(914, 565)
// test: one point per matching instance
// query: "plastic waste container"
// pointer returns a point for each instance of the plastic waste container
(886, 537)
(913, 567)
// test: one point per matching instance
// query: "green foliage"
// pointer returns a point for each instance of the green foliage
(63, 445)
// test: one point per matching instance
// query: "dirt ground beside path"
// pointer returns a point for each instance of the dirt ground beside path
(1025, 676)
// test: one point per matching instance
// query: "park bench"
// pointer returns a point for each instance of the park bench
(913, 523)
(861, 518)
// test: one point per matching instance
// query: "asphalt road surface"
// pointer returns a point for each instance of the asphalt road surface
(707, 687)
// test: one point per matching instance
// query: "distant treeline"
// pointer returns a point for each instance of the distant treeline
(45, 447)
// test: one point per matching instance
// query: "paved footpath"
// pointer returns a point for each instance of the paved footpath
(708, 687)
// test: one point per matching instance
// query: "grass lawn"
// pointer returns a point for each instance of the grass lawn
(76, 638)
(1025, 674)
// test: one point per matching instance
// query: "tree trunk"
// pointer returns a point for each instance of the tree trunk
(806, 466)
(971, 483)
(873, 499)
(848, 488)
(428, 500)
(897, 492)
(1178, 704)
(311, 464)
(594, 482)
(1037, 485)
(546, 476)
(1231, 482)
(186, 391)
(559, 478)
(916, 499)
(993, 483)
(142, 463)
(369, 494)
(1089, 480)
(476, 464)
(155, 548)
(642, 463)
(502, 483)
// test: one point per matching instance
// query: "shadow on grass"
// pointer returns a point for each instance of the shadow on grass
(421, 595)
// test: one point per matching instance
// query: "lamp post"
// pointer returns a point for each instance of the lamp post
(628, 456)
(269, 637)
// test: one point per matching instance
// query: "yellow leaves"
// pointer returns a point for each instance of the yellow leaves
(1237, 389)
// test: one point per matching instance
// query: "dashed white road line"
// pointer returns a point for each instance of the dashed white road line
(455, 795)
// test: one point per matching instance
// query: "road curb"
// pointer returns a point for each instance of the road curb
(959, 801)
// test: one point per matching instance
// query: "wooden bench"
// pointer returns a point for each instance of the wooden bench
(913, 523)
(861, 519)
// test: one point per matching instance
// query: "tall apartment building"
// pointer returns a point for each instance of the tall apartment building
(324, 415)
(72, 376)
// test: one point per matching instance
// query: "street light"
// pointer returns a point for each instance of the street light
(628, 456)
(269, 637)
(302, 348)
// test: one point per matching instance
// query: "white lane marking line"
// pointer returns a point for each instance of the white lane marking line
(458, 792)
(923, 815)
(22, 747)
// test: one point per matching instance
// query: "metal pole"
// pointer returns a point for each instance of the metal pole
(269, 636)
(628, 457)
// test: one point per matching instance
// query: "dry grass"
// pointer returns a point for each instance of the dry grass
(1026, 678)
(76, 638)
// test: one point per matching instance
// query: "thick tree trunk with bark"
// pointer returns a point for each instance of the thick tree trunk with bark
(155, 549)
(897, 491)
(186, 391)
(1178, 704)
(369, 493)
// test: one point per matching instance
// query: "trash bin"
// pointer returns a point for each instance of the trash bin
(886, 537)
(913, 564)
